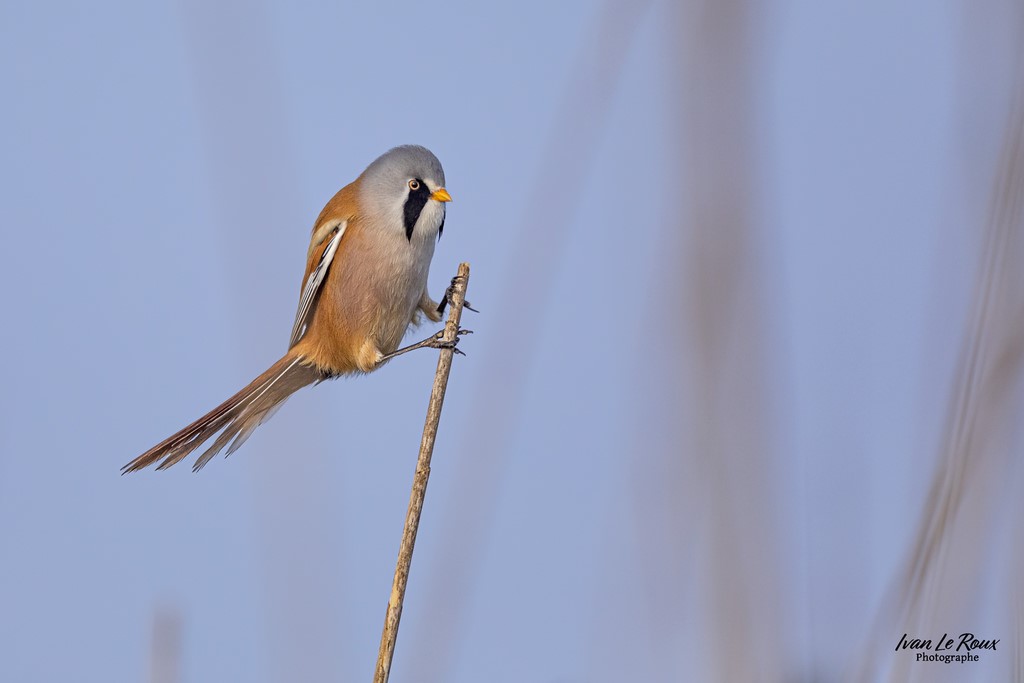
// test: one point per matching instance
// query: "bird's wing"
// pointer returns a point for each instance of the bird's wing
(316, 278)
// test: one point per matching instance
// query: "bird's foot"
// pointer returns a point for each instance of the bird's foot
(434, 341)
(448, 293)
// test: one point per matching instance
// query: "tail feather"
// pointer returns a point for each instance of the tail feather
(257, 409)
(237, 417)
(237, 433)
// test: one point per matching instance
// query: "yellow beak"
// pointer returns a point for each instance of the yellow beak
(441, 195)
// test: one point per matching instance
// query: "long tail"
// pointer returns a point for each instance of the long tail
(238, 416)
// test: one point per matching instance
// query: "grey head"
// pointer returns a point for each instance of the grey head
(405, 186)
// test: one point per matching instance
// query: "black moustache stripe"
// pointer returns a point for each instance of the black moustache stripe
(414, 204)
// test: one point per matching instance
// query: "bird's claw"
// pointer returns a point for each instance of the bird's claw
(439, 342)
(434, 341)
(448, 293)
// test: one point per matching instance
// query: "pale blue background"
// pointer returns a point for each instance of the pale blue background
(161, 166)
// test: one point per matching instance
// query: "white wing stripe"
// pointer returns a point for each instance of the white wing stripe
(316, 278)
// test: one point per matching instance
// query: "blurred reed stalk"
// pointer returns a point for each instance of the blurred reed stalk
(165, 652)
(706, 500)
(419, 483)
(947, 579)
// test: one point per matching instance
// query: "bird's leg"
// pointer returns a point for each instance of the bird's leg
(434, 341)
(448, 299)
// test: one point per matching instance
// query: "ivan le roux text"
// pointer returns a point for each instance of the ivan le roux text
(967, 642)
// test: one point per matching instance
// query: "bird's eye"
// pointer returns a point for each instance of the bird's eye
(414, 184)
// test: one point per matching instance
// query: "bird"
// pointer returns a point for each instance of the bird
(364, 285)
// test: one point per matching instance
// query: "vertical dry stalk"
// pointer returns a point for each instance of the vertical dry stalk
(419, 483)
